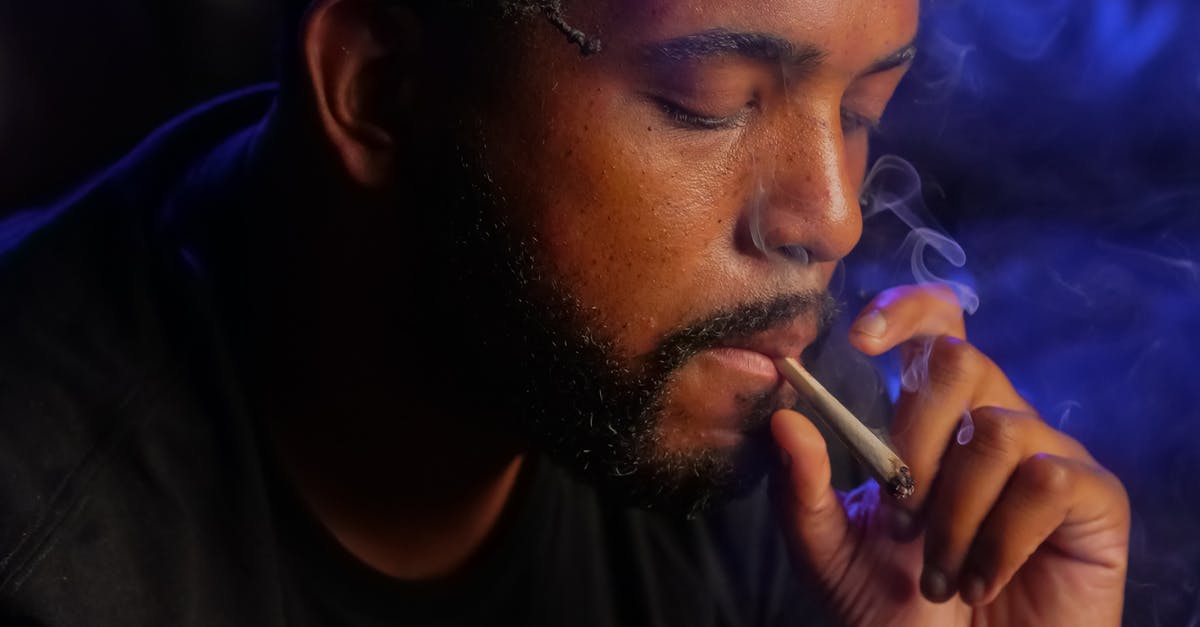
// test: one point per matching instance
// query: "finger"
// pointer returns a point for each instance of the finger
(816, 524)
(927, 419)
(1049, 497)
(902, 313)
(970, 481)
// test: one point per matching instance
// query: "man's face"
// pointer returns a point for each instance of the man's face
(685, 196)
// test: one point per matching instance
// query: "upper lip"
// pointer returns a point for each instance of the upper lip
(787, 340)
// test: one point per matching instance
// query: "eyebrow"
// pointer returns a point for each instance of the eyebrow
(719, 42)
(902, 56)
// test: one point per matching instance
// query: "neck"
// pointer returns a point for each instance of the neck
(392, 468)
(412, 501)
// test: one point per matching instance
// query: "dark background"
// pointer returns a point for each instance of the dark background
(1058, 141)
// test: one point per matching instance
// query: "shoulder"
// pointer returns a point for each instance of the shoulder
(99, 406)
(90, 299)
(76, 322)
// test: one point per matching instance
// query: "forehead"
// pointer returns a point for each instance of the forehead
(851, 32)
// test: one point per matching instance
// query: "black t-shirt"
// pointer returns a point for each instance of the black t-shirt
(133, 485)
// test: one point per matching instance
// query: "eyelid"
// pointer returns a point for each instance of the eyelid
(858, 121)
(690, 119)
(852, 121)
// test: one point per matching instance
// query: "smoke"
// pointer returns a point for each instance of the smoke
(1125, 36)
(1116, 37)
(893, 186)
(1188, 269)
(916, 372)
(758, 205)
(1064, 411)
(759, 198)
(943, 67)
(1025, 29)
(1063, 139)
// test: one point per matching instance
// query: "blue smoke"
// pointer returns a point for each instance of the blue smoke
(1058, 141)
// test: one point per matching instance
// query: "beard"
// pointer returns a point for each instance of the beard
(542, 370)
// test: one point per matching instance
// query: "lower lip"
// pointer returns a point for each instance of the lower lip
(749, 362)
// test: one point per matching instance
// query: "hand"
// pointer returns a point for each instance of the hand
(1016, 526)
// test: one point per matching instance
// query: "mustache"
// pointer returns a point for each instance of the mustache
(740, 321)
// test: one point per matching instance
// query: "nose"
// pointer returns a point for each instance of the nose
(805, 205)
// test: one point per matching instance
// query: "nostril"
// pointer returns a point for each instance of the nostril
(795, 253)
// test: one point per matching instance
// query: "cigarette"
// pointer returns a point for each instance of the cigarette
(885, 465)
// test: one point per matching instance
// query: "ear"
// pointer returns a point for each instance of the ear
(361, 61)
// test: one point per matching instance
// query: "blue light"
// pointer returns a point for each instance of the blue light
(1060, 145)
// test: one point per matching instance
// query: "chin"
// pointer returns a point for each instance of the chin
(695, 471)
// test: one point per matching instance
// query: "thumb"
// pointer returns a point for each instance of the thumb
(815, 523)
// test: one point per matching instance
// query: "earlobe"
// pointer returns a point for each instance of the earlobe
(356, 54)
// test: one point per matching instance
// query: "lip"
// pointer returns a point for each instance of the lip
(752, 363)
(755, 355)
(722, 384)
(784, 341)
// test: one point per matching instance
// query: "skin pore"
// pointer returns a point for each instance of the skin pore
(707, 161)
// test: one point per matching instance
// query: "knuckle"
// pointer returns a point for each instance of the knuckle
(1045, 474)
(943, 294)
(998, 433)
(953, 362)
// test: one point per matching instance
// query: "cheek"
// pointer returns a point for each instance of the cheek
(638, 229)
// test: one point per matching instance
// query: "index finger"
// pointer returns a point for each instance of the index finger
(902, 313)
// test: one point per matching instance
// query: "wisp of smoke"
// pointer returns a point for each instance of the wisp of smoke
(758, 206)
(893, 186)
(1025, 28)
(1066, 155)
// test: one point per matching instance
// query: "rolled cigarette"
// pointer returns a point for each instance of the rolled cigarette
(887, 467)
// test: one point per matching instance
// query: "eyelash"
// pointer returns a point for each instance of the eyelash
(692, 120)
(851, 121)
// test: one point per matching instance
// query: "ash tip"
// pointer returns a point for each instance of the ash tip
(902, 485)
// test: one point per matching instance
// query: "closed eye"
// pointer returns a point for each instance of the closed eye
(683, 117)
(853, 122)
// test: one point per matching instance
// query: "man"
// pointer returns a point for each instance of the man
(473, 323)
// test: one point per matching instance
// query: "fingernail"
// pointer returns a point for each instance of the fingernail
(933, 584)
(973, 589)
(872, 324)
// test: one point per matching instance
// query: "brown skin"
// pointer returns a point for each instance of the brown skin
(1023, 525)
(650, 226)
